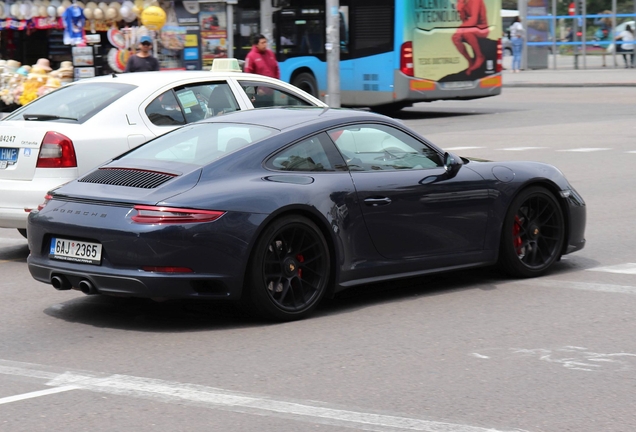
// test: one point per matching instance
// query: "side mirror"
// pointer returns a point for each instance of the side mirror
(452, 164)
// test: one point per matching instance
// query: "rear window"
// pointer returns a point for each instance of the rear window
(74, 103)
(200, 144)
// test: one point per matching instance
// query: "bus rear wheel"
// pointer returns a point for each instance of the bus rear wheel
(306, 82)
(390, 109)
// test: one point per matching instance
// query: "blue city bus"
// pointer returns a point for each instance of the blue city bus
(394, 53)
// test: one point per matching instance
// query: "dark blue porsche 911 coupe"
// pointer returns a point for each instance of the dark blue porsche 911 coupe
(280, 207)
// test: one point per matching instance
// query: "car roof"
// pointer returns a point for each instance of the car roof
(290, 117)
(166, 77)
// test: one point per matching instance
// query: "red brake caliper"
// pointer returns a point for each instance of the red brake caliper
(300, 259)
(516, 239)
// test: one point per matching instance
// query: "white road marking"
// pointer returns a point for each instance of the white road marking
(522, 148)
(480, 356)
(175, 392)
(627, 268)
(8, 241)
(578, 358)
(463, 148)
(36, 394)
(585, 149)
(587, 286)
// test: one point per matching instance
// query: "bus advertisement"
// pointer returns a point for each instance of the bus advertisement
(394, 53)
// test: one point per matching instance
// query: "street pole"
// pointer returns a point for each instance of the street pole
(584, 32)
(266, 20)
(554, 32)
(612, 33)
(230, 27)
(333, 53)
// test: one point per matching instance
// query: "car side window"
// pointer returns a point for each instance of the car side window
(164, 110)
(263, 94)
(311, 154)
(376, 147)
(219, 100)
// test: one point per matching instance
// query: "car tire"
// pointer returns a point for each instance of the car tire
(306, 82)
(533, 234)
(289, 270)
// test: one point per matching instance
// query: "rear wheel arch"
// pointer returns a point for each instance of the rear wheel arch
(322, 225)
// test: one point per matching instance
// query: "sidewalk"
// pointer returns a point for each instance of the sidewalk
(566, 76)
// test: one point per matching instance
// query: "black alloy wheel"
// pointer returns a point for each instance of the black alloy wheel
(533, 234)
(289, 271)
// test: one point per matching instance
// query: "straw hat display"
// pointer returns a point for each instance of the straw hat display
(23, 70)
(15, 10)
(43, 63)
(64, 73)
(51, 84)
(38, 73)
(27, 10)
(12, 66)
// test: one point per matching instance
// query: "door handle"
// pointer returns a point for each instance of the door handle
(374, 202)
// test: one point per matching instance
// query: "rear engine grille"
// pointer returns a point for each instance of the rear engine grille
(127, 177)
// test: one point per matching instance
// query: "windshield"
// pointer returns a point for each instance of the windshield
(75, 103)
(200, 144)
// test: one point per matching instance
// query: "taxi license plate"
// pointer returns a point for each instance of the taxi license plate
(76, 251)
(8, 156)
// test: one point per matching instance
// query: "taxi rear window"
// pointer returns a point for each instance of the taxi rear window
(73, 103)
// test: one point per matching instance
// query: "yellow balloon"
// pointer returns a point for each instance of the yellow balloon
(153, 17)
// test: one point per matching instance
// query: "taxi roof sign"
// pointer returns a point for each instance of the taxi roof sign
(225, 65)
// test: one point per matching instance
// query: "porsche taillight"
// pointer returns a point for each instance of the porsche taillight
(47, 198)
(56, 151)
(406, 59)
(170, 215)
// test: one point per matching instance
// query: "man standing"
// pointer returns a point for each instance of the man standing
(261, 60)
(143, 61)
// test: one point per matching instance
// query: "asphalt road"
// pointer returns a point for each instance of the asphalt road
(470, 351)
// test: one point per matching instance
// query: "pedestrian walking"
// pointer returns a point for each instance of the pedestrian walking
(602, 33)
(261, 60)
(143, 61)
(627, 45)
(516, 39)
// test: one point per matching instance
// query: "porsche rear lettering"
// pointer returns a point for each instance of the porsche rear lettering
(79, 212)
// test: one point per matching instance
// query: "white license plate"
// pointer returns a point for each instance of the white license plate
(76, 251)
(452, 85)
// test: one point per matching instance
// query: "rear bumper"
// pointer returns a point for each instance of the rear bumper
(137, 283)
(18, 195)
(417, 90)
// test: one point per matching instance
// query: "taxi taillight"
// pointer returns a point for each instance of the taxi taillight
(56, 151)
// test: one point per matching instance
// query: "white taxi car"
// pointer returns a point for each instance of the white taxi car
(62, 135)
